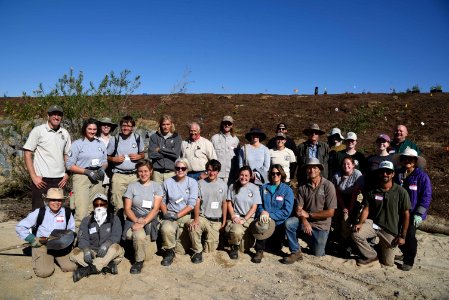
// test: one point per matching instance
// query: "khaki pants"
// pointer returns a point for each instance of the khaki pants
(115, 253)
(367, 231)
(212, 229)
(240, 235)
(144, 248)
(82, 196)
(174, 236)
(119, 184)
(160, 177)
(44, 263)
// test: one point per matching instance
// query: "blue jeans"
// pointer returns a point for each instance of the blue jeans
(317, 241)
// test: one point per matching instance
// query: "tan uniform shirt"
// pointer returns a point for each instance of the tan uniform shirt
(198, 153)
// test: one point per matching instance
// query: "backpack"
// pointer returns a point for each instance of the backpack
(117, 138)
(41, 215)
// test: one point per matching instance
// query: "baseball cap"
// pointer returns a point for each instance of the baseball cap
(228, 119)
(384, 136)
(54, 108)
(386, 165)
(351, 136)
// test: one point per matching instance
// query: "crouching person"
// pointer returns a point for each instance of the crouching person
(42, 222)
(98, 237)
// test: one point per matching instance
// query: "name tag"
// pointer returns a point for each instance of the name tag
(147, 204)
(379, 197)
(179, 200)
(95, 162)
(127, 157)
(214, 205)
(413, 187)
(60, 219)
(376, 227)
(92, 230)
(279, 198)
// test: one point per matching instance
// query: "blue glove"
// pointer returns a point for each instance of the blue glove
(104, 248)
(33, 240)
(88, 255)
(417, 220)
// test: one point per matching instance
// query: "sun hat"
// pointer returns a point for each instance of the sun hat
(255, 131)
(228, 119)
(351, 136)
(313, 127)
(262, 231)
(54, 194)
(420, 163)
(54, 108)
(383, 136)
(101, 197)
(108, 121)
(313, 161)
(386, 165)
(336, 131)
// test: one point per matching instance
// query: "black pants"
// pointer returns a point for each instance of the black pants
(36, 194)
(273, 243)
(410, 247)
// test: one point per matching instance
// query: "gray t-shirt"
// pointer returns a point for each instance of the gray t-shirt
(348, 184)
(212, 195)
(180, 194)
(142, 196)
(125, 147)
(245, 198)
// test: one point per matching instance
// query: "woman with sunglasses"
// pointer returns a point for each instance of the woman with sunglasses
(277, 205)
(243, 198)
(180, 196)
(142, 202)
(87, 161)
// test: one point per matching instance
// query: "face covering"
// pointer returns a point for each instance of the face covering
(100, 214)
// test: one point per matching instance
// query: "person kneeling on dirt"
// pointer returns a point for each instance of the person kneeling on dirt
(98, 237)
(42, 222)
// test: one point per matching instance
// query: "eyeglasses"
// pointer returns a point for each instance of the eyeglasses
(227, 124)
(275, 173)
(180, 168)
(100, 204)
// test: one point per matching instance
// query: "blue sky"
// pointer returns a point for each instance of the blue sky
(243, 47)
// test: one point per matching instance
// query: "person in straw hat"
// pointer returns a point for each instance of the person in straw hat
(55, 216)
(415, 180)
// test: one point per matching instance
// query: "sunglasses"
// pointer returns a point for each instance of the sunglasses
(99, 205)
(282, 128)
(388, 172)
(180, 168)
(275, 173)
(227, 124)
(55, 200)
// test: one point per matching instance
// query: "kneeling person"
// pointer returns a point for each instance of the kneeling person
(210, 211)
(98, 242)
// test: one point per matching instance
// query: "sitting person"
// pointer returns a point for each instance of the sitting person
(37, 227)
(98, 242)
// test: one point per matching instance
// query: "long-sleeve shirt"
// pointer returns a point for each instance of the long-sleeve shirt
(257, 158)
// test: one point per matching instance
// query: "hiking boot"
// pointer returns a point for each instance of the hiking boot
(366, 261)
(258, 257)
(168, 258)
(197, 258)
(406, 267)
(294, 257)
(399, 257)
(136, 268)
(234, 253)
(111, 268)
(83, 272)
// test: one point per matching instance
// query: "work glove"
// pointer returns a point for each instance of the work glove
(88, 255)
(264, 219)
(91, 174)
(104, 248)
(171, 216)
(417, 220)
(33, 240)
(99, 174)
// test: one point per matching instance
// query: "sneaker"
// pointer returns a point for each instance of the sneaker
(136, 268)
(294, 257)
(168, 258)
(258, 257)
(406, 267)
(111, 268)
(197, 258)
(366, 261)
(234, 253)
(399, 257)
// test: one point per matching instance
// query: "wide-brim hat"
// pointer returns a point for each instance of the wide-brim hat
(54, 194)
(256, 131)
(420, 163)
(314, 162)
(313, 127)
(108, 121)
(262, 231)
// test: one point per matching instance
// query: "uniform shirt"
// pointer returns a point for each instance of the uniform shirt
(284, 158)
(142, 196)
(247, 196)
(212, 195)
(322, 197)
(51, 222)
(85, 154)
(226, 147)
(125, 147)
(180, 194)
(49, 147)
(198, 153)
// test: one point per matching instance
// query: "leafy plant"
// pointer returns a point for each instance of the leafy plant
(436, 87)
(416, 88)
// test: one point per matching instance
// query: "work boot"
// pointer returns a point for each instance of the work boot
(406, 267)
(294, 257)
(399, 257)
(136, 268)
(168, 258)
(258, 257)
(234, 253)
(111, 268)
(84, 272)
(197, 258)
(366, 261)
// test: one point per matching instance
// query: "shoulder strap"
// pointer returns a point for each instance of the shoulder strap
(68, 214)
(137, 138)
(40, 219)
(116, 138)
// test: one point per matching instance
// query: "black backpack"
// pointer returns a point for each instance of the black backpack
(41, 215)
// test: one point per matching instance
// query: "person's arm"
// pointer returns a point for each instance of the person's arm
(66, 176)
(157, 201)
(154, 151)
(250, 212)
(363, 217)
(116, 230)
(224, 213)
(187, 209)
(23, 227)
(400, 239)
(37, 180)
(130, 215)
(424, 196)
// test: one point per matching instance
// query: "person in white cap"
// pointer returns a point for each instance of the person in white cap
(350, 150)
(386, 215)
(227, 147)
(335, 142)
(417, 183)
(45, 153)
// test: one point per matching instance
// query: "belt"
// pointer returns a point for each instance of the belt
(126, 172)
(213, 219)
(163, 170)
(92, 168)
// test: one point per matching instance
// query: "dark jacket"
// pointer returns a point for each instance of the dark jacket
(303, 154)
(169, 151)
(91, 235)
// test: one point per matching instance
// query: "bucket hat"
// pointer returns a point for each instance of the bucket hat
(313, 127)
(262, 231)
(256, 131)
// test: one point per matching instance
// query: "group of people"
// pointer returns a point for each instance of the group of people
(196, 195)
